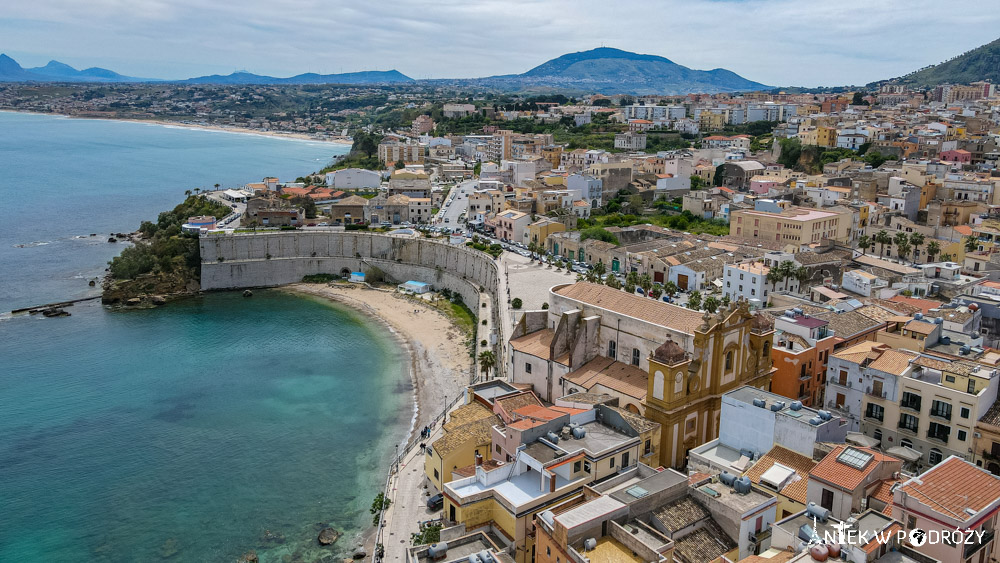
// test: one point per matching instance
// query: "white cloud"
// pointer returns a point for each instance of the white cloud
(781, 42)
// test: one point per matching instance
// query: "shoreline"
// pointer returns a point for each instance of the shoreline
(439, 361)
(217, 128)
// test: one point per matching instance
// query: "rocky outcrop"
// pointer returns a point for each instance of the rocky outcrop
(328, 536)
(150, 289)
(249, 557)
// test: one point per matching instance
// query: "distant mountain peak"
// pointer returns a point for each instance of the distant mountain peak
(981, 63)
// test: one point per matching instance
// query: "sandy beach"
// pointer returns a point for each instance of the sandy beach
(240, 130)
(440, 362)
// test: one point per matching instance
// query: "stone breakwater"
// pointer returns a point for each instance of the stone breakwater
(268, 259)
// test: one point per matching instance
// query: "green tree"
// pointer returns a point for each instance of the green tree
(694, 300)
(612, 282)
(859, 99)
(882, 238)
(697, 183)
(971, 243)
(670, 288)
(901, 240)
(487, 360)
(646, 283)
(399, 165)
(724, 301)
(600, 269)
(933, 249)
(864, 243)
(380, 504)
(629, 287)
(711, 304)
(916, 241)
(516, 303)
(598, 233)
(657, 291)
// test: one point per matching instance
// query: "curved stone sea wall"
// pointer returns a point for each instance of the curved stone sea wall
(265, 259)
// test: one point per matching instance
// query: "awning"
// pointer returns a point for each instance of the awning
(904, 453)
(859, 439)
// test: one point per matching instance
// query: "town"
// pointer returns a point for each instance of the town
(781, 329)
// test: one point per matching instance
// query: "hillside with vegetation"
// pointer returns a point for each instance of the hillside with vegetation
(164, 261)
(981, 63)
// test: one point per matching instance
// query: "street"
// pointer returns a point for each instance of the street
(456, 204)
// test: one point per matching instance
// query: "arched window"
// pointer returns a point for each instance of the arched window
(729, 361)
(767, 349)
(906, 443)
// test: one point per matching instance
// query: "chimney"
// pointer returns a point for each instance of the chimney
(552, 483)
(479, 460)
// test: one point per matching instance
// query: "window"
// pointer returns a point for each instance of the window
(877, 434)
(875, 411)
(647, 448)
(911, 521)
(635, 356)
(949, 378)
(586, 466)
(910, 401)
(498, 448)
(908, 422)
(612, 349)
(941, 409)
(934, 456)
(962, 435)
(729, 361)
(964, 412)
(906, 443)
(939, 432)
(527, 367)
(842, 378)
(972, 386)
(612, 463)
(436, 476)
(577, 466)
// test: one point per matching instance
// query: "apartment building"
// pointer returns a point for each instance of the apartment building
(392, 152)
(802, 347)
(630, 141)
(683, 362)
(747, 280)
(796, 226)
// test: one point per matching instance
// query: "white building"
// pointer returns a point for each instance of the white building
(861, 282)
(353, 179)
(748, 280)
(630, 141)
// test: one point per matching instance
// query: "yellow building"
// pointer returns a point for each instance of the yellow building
(730, 349)
(466, 434)
(540, 230)
(553, 154)
(795, 226)
(826, 136)
(709, 121)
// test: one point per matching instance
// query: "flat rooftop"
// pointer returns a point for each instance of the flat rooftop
(597, 438)
(589, 511)
(610, 550)
(632, 491)
(747, 394)
(458, 550)
(796, 521)
(518, 490)
(729, 497)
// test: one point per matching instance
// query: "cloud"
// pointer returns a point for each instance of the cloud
(781, 42)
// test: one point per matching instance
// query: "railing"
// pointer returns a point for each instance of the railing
(973, 548)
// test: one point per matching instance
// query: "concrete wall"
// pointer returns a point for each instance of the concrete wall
(234, 261)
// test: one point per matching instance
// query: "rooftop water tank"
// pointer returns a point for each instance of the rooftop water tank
(486, 557)
(819, 552)
(825, 415)
(474, 559)
(437, 550)
(590, 544)
(727, 478)
(579, 432)
(760, 403)
(815, 421)
(817, 511)
(805, 532)
(918, 316)
(551, 436)
(777, 406)
(946, 340)
(797, 311)
(796, 405)
(938, 320)
(742, 485)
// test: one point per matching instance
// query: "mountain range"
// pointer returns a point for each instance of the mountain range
(981, 63)
(602, 70)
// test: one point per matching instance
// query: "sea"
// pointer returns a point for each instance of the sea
(196, 431)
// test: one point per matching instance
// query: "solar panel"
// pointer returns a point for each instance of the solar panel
(854, 458)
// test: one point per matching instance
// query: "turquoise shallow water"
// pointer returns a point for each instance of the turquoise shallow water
(193, 429)
(197, 426)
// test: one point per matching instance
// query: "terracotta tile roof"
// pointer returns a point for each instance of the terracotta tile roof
(884, 493)
(876, 313)
(849, 324)
(477, 433)
(681, 513)
(466, 414)
(511, 403)
(861, 351)
(898, 307)
(890, 531)
(613, 375)
(642, 308)
(893, 361)
(954, 485)
(837, 473)
(706, 544)
(638, 423)
(964, 230)
(798, 488)
(925, 305)
(535, 344)
(992, 416)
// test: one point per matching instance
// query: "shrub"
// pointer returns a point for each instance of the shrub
(516, 303)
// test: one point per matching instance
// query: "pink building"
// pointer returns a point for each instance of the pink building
(957, 156)
(763, 184)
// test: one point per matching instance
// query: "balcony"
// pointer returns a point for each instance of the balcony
(973, 548)
(910, 429)
(875, 394)
(944, 415)
(943, 438)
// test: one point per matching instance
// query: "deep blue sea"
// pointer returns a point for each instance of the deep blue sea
(191, 432)
(63, 179)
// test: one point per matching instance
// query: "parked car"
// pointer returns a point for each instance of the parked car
(436, 502)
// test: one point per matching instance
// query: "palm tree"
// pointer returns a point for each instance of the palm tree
(711, 304)
(864, 243)
(882, 238)
(532, 247)
(657, 291)
(916, 240)
(632, 278)
(694, 300)
(946, 257)
(725, 301)
(487, 359)
(612, 282)
(971, 243)
(629, 287)
(899, 240)
(217, 186)
(600, 269)
(782, 272)
(646, 283)
(801, 275)
(933, 249)
(670, 288)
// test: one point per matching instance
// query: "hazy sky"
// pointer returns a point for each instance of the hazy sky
(777, 42)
